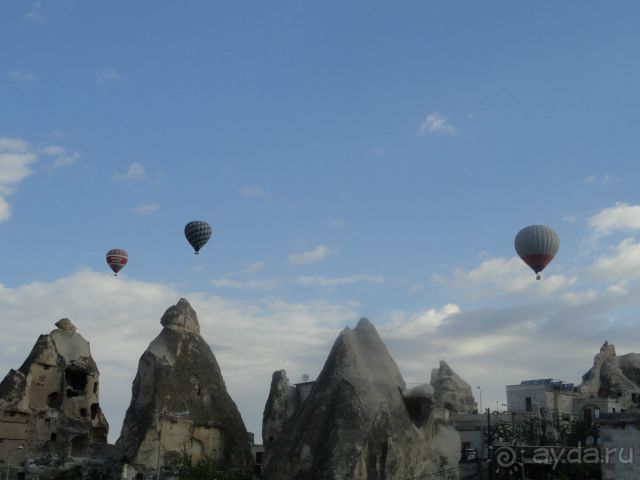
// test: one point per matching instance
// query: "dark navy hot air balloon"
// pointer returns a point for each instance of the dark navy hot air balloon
(537, 245)
(198, 233)
(117, 258)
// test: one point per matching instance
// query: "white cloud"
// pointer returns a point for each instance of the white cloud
(13, 145)
(35, 15)
(436, 123)
(253, 192)
(20, 76)
(504, 276)
(619, 217)
(54, 150)
(16, 159)
(319, 253)
(146, 208)
(580, 298)
(622, 265)
(619, 289)
(426, 321)
(14, 167)
(109, 76)
(255, 284)
(309, 281)
(135, 172)
(5, 209)
(63, 158)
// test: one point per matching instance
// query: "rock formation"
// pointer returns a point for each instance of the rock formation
(179, 397)
(281, 405)
(356, 423)
(614, 376)
(451, 391)
(50, 404)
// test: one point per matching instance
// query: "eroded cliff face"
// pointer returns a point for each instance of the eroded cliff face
(451, 391)
(356, 422)
(50, 405)
(180, 402)
(282, 403)
(614, 376)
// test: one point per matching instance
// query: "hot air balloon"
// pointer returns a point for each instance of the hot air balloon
(537, 245)
(198, 234)
(117, 258)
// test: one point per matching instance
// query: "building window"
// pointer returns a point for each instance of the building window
(83, 412)
(53, 437)
(528, 404)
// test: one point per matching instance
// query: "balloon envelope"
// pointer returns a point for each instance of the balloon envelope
(117, 258)
(198, 234)
(537, 245)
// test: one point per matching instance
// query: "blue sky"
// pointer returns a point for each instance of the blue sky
(353, 158)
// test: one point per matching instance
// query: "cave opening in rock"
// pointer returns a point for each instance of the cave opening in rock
(76, 379)
(419, 409)
(53, 400)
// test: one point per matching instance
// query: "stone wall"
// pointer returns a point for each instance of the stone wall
(620, 446)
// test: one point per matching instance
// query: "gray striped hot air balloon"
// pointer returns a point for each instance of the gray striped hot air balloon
(537, 245)
(198, 233)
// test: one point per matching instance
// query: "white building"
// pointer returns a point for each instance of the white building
(542, 398)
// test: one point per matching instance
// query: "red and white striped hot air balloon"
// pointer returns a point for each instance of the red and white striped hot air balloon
(117, 258)
(537, 245)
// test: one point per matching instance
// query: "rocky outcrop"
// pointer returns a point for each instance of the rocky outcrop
(281, 405)
(451, 391)
(614, 377)
(355, 422)
(180, 402)
(50, 405)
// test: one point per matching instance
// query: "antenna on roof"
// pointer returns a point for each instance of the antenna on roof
(305, 377)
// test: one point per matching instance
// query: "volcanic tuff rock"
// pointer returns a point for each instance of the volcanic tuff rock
(355, 423)
(179, 394)
(50, 404)
(451, 391)
(281, 405)
(614, 376)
